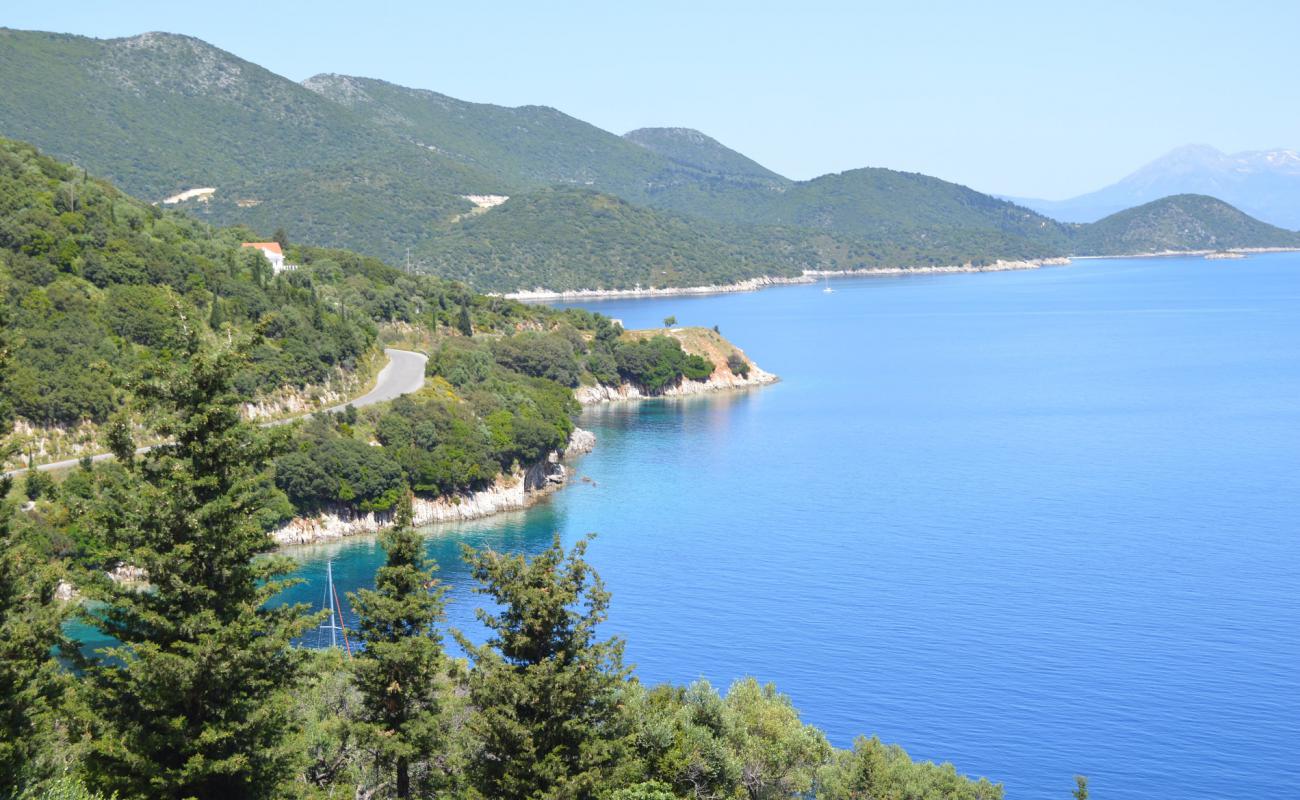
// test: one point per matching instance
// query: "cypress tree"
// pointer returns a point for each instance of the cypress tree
(193, 702)
(400, 670)
(217, 317)
(6, 408)
(544, 690)
(463, 322)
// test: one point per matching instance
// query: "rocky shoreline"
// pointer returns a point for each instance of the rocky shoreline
(528, 485)
(718, 382)
(996, 266)
(1244, 251)
(540, 295)
(513, 492)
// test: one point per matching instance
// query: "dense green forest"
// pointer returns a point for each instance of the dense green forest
(375, 167)
(570, 238)
(690, 148)
(530, 147)
(98, 285)
(206, 696)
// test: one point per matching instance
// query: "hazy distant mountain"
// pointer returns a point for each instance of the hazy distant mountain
(1181, 222)
(1264, 184)
(691, 148)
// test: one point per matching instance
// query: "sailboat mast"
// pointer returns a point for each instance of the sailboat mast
(329, 590)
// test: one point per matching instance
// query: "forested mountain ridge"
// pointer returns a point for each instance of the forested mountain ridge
(378, 168)
(161, 113)
(692, 148)
(528, 147)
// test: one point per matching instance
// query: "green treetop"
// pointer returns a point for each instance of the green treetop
(400, 671)
(544, 689)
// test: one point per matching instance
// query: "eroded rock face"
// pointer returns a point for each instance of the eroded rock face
(580, 442)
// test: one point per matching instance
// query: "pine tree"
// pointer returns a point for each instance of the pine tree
(31, 683)
(31, 680)
(401, 670)
(544, 690)
(193, 702)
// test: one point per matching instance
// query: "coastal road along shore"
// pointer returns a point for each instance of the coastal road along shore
(403, 374)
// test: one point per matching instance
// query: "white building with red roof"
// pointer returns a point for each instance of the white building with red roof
(273, 254)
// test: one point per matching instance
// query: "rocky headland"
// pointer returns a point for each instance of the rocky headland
(513, 492)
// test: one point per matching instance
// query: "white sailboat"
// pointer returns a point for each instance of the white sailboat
(828, 289)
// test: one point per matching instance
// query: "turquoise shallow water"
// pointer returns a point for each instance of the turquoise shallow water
(1036, 523)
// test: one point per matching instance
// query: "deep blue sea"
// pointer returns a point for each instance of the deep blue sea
(1035, 523)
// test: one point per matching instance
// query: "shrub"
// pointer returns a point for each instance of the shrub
(659, 362)
(38, 484)
(539, 355)
(738, 365)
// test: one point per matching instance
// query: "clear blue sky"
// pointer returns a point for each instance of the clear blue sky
(1028, 98)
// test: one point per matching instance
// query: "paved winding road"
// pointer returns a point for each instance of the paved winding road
(403, 374)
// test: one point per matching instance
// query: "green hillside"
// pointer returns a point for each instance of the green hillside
(938, 221)
(95, 285)
(569, 238)
(1180, 222)
(526, 147)
(159, 114)
(693, 149)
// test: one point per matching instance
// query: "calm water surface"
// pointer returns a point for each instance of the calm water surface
(1035, 523)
